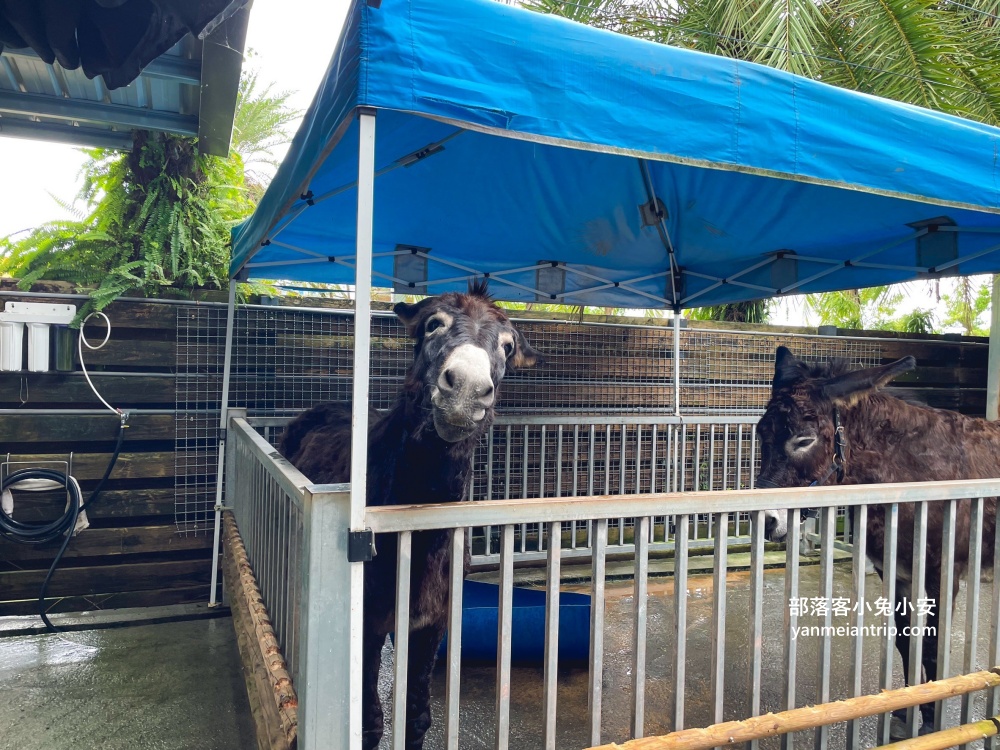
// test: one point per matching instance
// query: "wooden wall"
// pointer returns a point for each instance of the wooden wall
(132, 554)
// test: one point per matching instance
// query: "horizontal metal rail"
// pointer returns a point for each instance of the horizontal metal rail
(390, 519)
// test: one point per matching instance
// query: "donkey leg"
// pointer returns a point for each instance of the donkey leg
(424, 644)
(371, 705)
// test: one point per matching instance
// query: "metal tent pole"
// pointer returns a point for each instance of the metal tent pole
(223, 423)
(359, 416)
(677, 363)
(993, 366)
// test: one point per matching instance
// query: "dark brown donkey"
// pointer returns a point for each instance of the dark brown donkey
(419, 452)
(887, 440)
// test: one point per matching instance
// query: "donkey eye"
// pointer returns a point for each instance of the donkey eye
(508, 348)
(803, 442)
(433, 324)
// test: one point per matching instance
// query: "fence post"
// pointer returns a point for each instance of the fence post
(329, 678)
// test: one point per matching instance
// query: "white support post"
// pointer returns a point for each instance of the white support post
(223, 423)
(677, 363)
(993, 365)
(359, 415)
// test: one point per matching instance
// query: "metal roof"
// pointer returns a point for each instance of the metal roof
(189, 90)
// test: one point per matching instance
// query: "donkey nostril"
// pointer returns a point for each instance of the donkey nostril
(487, 391)
(449, 378)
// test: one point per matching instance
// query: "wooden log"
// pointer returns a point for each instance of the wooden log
(87, 466)
(49, 390)
(83, 428)
(107, 579)
(273, 701)
(115, 600)
(113, 503)
(946, 738)
(810, 717)
(109, 542)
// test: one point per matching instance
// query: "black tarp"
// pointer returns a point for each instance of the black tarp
(110, 38)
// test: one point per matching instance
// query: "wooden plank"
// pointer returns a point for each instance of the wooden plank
(81, 428)
(46, 389)
(120, 600)
(86, 466)
(112, 504)
(120, 352)
(112, 542)
(107, 579)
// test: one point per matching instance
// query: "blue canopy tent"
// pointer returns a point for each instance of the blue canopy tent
(574, 165)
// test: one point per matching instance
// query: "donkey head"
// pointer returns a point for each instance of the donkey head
(464, 346)
(798, 432)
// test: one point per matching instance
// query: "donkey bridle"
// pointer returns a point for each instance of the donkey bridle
(837, 466)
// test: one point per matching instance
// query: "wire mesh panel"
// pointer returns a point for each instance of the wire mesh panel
(201, 341)
(286, 359)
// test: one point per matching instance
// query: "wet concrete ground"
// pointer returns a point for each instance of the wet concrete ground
(178, 685)
(478, 680)
(170, 686)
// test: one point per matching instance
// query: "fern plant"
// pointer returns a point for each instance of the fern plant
(156, 217)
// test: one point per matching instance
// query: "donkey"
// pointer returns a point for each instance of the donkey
(420, 452)
(824, 423)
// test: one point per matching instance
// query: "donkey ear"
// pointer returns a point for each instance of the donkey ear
(524, 355)
(409, 314)
(787, 368)
(850, 386)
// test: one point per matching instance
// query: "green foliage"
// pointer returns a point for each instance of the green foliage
(755, 311)
(968, 304)
(157, 216)
(868, 309)
(918, 320)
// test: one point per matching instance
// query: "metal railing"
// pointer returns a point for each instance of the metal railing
(283, 518)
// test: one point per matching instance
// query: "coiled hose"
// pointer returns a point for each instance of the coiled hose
(64, 526)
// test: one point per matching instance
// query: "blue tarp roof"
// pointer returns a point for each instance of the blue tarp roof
(527, 146)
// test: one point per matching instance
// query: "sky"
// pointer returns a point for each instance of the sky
(293, 41)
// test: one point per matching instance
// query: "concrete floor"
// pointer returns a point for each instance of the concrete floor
(168, 686)
(178, 685)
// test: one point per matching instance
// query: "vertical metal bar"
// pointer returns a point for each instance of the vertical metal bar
(720, 564)
(227, 368)
(993, 696)
(639, 625)
(739, 455)
(828, 519)
(506, 467)
(504, 632)
(524, 491)
(993, 363)
(670, 479)
(725, 457)
(917, 569)
(859, 562)
(697, 458)
(622, 463)
(401, 653)
(454, 677)
(680, 617)
(541, 475)
(638, 459)
(683, 453)
(677, 363)
(753, 457)
(972, 600)
(711, 458)
(599, 542)
(559, 461)
(652, 460)
(792, 608)
(888, 651)
(607, 460)
(331, 587)
(488, 531)
(576, 466)
(551, 673)
(362, 319)
(756, 610)
(590, 464)
(947, 593)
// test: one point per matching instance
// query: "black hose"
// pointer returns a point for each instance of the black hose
(43, 533)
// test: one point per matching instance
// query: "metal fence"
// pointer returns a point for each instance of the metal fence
(273, 508)
(286, 359)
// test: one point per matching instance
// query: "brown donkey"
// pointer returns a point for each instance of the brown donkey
(420, 452)
(886, 439)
